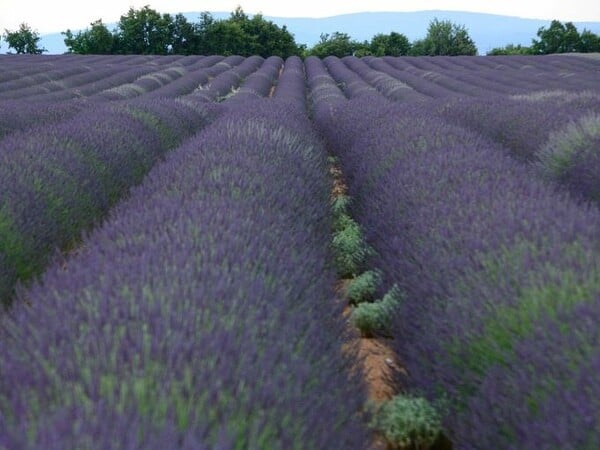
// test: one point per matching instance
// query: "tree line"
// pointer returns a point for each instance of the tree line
(557, 38)
(145, 31)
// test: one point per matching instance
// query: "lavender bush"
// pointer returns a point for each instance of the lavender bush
(19, 115)
(523, 124)
(260, 83)
(496, 271)
(291, 84)
(324, 95)
(197, 74)
(62, 179)
(200, 315)
(226, 82)
(572, 157)
(554, 129)
(348, 80)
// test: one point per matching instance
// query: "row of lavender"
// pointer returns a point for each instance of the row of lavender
(397, 78)
(83, 156)
(438, 77)
(200, 314)
(61, 179)
(27, 71)
(324, 80)
(109, 82)
(556, 130)
(210, 79)
(500, 275)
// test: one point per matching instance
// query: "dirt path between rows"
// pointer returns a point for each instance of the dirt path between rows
(380, 366)
(274, 86)
(375, 359)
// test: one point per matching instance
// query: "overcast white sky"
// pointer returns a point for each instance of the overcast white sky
(58, 15)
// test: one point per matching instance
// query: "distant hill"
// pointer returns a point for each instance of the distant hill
(487, 30)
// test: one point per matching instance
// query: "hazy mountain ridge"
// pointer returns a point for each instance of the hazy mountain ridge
(487, 30)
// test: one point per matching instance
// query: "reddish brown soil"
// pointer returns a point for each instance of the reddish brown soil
(377, 362)
(272, 90)
(339, 187)
(375, 359)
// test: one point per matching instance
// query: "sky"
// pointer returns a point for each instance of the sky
(48, 16)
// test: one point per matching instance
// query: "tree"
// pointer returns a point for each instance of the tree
(144, 32)
(185, 36)
(510, 49)
(558, 38)
(224, 37)
(337, 44)
(588, 42)
(96, 40)
(24, 40)
(444, 38)
(264, 38)
(393, 44)
(245, 36)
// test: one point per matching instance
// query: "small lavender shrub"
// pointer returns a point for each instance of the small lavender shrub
(363, 287)
(572, 156)
(339, 205)
(408, 422)
(376, 318)
(349, 248)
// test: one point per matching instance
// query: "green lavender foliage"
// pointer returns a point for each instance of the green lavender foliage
(339, 206)
(408, 422)
(562, 146)
(349, 247)
(363, 287)
(572, 156)
(376, 318)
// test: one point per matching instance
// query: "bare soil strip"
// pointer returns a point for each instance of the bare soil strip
(272, 90)
(378, 363)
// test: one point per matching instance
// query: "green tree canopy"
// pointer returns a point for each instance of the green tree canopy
(510, 49)
(95, 40)
(144, 32)
(393, 44)
(558, 38)
(223, 37)
(564, 38)
(24, 40)
(337, 44)
(444, 38)
(264, 38)
(588, 42)
(185, 36)
(245, 36)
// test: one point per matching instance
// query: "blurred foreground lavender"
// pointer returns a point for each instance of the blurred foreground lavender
(501, 275)
(200, 315)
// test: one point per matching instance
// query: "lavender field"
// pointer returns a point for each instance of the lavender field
(168, 246)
